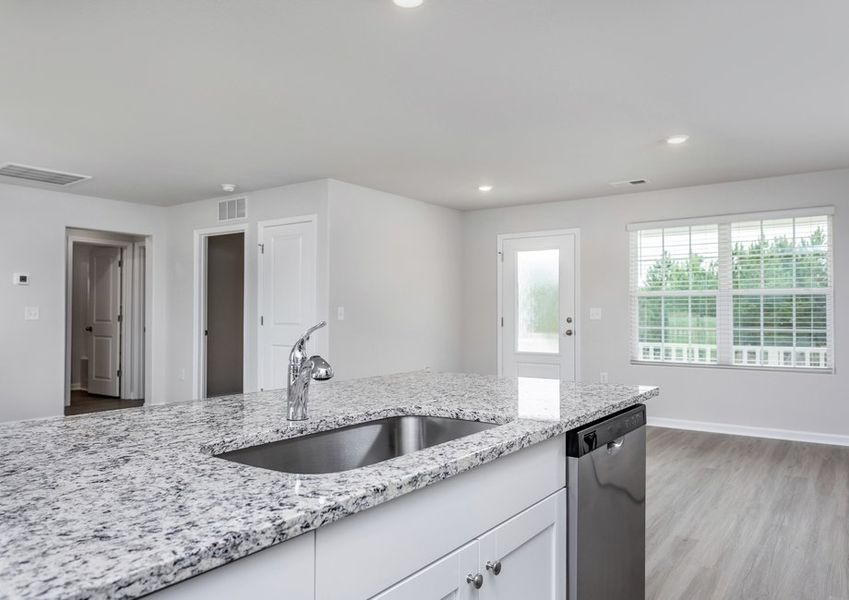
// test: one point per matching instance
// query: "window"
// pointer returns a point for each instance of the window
(750, 291)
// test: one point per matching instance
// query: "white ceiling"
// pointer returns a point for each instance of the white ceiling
(162, 101)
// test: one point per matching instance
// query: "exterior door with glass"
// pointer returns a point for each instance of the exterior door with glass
(538, 321)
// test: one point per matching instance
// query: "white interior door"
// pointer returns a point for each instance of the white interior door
(538, 302)
(287, 295)
(105, 321)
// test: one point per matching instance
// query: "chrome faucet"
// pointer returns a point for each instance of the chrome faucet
(301, 370)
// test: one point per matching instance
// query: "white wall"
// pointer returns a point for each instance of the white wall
(183, 220)
(395, 262)
(32, 239)
(791, 401)
(395, 268)
(392, 262)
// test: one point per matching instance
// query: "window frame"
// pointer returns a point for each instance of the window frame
(725, 292)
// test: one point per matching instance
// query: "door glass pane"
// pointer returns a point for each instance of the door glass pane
(538, 320)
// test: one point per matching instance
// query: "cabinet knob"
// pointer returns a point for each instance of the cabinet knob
(475, 580)
(495, 567)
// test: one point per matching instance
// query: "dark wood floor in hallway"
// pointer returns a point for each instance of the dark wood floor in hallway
(733, 518)
(83, 402)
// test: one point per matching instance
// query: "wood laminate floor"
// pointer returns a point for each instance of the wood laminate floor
(731, 518)
(83, 402)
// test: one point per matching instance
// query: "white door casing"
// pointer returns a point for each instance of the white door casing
(287, 293)
(105, 321)
(201, 238)
(538, 328)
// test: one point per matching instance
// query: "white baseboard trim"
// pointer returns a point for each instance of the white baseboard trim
(77, 387)
(759, 432)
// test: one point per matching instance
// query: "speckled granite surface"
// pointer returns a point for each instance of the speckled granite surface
(119, 504)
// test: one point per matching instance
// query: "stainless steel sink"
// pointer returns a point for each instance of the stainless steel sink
(356, 445)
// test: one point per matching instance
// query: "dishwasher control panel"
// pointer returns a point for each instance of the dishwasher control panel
(609, 429)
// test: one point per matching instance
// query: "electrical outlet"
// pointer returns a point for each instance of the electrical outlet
(340, 313)
(602, 377)
(182, 374)
(595, 314)
(30, 313)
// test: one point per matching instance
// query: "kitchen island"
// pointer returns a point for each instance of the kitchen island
(122, 504)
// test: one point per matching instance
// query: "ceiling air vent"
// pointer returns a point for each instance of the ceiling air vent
(41, 175)
(232, 209)
(628, 183)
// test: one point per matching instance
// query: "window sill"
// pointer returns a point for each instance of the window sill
(652, 363)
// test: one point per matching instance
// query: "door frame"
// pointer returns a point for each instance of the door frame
(200, 238)
(126, 299)
(312, 219)
(499, 258)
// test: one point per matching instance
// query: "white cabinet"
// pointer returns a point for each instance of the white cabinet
(443, 580)
(367, 553)
(528, 552)
(524, 557)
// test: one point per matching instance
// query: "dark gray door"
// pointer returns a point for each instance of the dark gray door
(225, 310)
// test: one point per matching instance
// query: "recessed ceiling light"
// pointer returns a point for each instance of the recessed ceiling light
(677, 139)
(408, 3)
(485, 188)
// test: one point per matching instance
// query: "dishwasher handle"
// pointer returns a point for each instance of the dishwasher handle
(614, 446)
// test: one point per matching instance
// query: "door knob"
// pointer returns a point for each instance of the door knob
(89, 328)
(495, 567)
(475, 580)
(568, 332)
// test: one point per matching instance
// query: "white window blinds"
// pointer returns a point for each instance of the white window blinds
(744, 291)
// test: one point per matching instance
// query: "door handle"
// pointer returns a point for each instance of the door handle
(89, 328)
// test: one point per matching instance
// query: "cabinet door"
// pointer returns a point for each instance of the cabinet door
(531, 549)
(443, 580)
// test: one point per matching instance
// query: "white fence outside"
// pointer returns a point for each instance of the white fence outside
(767, 356)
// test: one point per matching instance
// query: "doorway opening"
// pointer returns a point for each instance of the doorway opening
(106, 301)
(225, 314)
(220, 311)
(538, 304)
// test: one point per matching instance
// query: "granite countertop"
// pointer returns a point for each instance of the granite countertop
(119, 504)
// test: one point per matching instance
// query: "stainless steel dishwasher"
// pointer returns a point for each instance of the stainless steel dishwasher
(607, 508)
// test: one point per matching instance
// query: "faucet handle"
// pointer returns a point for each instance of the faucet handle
(321, 369)
(298, 351)
(310, 331)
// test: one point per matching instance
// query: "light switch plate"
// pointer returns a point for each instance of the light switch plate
(30, 313)
(595, 314)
